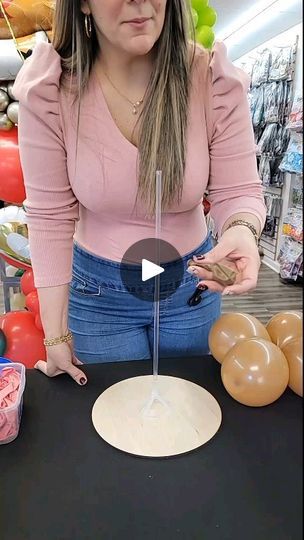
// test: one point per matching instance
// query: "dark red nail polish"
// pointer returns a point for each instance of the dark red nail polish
(82, 380)
(202, 287)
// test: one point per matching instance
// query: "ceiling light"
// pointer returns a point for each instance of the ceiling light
(253, 19)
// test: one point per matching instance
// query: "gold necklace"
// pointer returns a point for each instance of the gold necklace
(135, 104)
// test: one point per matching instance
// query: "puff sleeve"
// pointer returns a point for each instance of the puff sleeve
(51, 206)
(234, 184)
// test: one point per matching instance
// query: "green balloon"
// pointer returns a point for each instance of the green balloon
(2, 343)
(194, 17)
(205, 36)
(19, 272)
(207, 17)
(199, 5)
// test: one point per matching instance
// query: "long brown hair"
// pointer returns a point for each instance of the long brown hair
(163, 121)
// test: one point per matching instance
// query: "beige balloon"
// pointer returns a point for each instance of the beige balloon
(285, 326)
(255, 372)
(293, 352)
(231, 328)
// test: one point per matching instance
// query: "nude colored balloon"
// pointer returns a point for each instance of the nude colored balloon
(285, 326)
(293, 352)
(231, 328)
(255, 372)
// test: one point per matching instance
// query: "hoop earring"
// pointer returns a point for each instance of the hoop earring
(88, 26)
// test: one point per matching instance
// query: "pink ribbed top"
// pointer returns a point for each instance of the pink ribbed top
(93, 200)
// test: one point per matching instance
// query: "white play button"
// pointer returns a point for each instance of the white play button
(149, 270)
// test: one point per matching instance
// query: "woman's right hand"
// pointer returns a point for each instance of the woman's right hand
(61, 359)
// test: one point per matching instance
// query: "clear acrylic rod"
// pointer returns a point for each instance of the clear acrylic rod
(158, 200)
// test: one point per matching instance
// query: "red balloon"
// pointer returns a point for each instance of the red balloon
(38, 322)
(12, 190)
(27, 282)
(24, 339)
(15, 263)
(32, 302)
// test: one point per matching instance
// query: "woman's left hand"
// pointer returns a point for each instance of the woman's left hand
(238, 250)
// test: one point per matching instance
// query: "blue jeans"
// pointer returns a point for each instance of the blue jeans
(110, 324)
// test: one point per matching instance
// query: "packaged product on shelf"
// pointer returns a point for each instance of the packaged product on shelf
(266, 144)
(289, 97)
(273, 205)
(297, 192)
(276, 101)
(290, 259)
(282, 140)
(293, 159)
(295, 120)
(256, 102)
(281, 63)
(264, 170)
(293, 224)
(261, 68)
(273, 92)
(270, 227)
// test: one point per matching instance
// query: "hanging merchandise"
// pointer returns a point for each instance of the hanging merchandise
(282, 141)
(267, 142)
(270, 226)
(273, 95)
(290, 259)
(295, 120)
(273, 205)
(293, 224)
(297, 192)
(264, 170)
(270, 105)
(256, 101)
(293, 159)
(281, 63)
(261, 68)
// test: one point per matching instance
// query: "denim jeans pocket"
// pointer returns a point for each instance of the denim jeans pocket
(82, 286)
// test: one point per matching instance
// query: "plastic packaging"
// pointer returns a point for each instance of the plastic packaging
(267, 141)
(261, 68)
(273, 95)
(290, 259)
(256, 102)
(293, 159)
(297, 192)
(295, 120)
(10, 417)
(281, 63)
(293, 224)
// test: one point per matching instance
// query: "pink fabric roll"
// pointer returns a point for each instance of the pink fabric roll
(9, 389)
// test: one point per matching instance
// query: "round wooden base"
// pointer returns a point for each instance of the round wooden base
(156, 418)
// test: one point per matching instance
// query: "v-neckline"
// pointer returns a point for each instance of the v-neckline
(115, 127)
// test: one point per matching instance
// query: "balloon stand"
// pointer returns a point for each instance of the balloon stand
(156, 416)
(171, 417)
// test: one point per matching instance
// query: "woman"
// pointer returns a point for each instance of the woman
(119, 94)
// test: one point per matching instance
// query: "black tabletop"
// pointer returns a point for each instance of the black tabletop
(61, 481)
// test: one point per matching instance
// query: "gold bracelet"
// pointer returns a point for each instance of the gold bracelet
(58, 340)
(245, 224)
